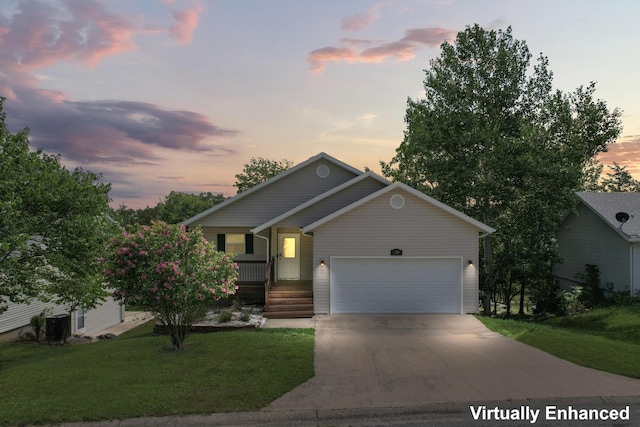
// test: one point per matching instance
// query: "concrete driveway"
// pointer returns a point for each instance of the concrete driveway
(374, 361)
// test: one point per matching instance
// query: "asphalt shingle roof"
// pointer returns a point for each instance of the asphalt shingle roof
(607, 205)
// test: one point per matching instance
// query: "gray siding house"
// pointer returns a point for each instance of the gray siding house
(604, 231)
(344, 241)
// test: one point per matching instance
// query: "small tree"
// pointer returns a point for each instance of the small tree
(174, 274)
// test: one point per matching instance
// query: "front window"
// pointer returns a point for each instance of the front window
(235, 243)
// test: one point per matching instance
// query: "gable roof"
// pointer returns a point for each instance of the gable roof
(270, 181)
(413, 191)
(320, 197)
(607, 205)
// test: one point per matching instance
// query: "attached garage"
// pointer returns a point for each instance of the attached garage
(396, 284)
(396, 251)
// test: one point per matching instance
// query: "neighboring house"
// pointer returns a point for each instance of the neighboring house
(355, 242)
(604, 231)
(15, 320)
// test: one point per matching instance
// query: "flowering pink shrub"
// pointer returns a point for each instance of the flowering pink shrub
(172, 273)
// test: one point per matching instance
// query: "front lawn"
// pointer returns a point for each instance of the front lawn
(138, 375)
(607, 339)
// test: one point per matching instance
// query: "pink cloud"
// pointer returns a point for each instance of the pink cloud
(432, 37)
(400, 50)
(357, 42)
(625, 153)
(376, 51)
(319, 56)
(358, 22)
(39, 34)
(186, 22)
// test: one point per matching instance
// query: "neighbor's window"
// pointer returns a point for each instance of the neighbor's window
(80, 318)
(235, 243)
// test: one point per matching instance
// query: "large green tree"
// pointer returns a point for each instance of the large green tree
(494, 140)
(54, 225)
(258, 170)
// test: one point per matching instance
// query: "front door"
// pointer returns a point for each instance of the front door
(289, 257)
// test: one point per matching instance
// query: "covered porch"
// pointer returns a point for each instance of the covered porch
(281, 298)
(284, 284)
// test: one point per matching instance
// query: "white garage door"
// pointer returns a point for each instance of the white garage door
(396, 285)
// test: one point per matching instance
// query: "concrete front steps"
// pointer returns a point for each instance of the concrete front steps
(287, 304)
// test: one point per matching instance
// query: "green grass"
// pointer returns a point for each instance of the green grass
(138, 375)
(607, 339)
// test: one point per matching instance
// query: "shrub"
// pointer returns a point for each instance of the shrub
(38, 321)
(237, 304)
(624, 297)
(225, 317)
(171, 273)
(573, 301)
(548, 298)
(37, 324)
(591, 295)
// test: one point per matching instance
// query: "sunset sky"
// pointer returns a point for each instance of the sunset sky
(180, 94)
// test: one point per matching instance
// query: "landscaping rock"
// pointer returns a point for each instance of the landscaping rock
(211, 323)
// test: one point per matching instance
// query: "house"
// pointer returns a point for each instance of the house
(604, 231)
(15, 320)
(333, 239)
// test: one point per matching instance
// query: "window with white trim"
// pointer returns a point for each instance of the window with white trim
(80, 318)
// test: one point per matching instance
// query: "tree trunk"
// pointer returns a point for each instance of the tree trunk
(523, 287)
(488, 262)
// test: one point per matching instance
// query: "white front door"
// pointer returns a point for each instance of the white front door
(289, 257)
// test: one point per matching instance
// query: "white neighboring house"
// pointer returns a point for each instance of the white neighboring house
(15, 320)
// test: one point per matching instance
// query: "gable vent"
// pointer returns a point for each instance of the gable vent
(323, 171)
(396, 201)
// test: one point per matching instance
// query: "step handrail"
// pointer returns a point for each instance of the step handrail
(268, 282)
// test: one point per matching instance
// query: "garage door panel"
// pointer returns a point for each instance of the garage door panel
(387, 292)
(396, 285)
(372, 292)
(419, 292)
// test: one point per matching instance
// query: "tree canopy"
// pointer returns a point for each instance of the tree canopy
(54, 225)
(175, 208)
(494, 140)
(258, 170)
(618, 179)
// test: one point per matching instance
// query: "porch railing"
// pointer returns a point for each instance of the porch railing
(269, 279)
(253, 275)
(252, 271)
